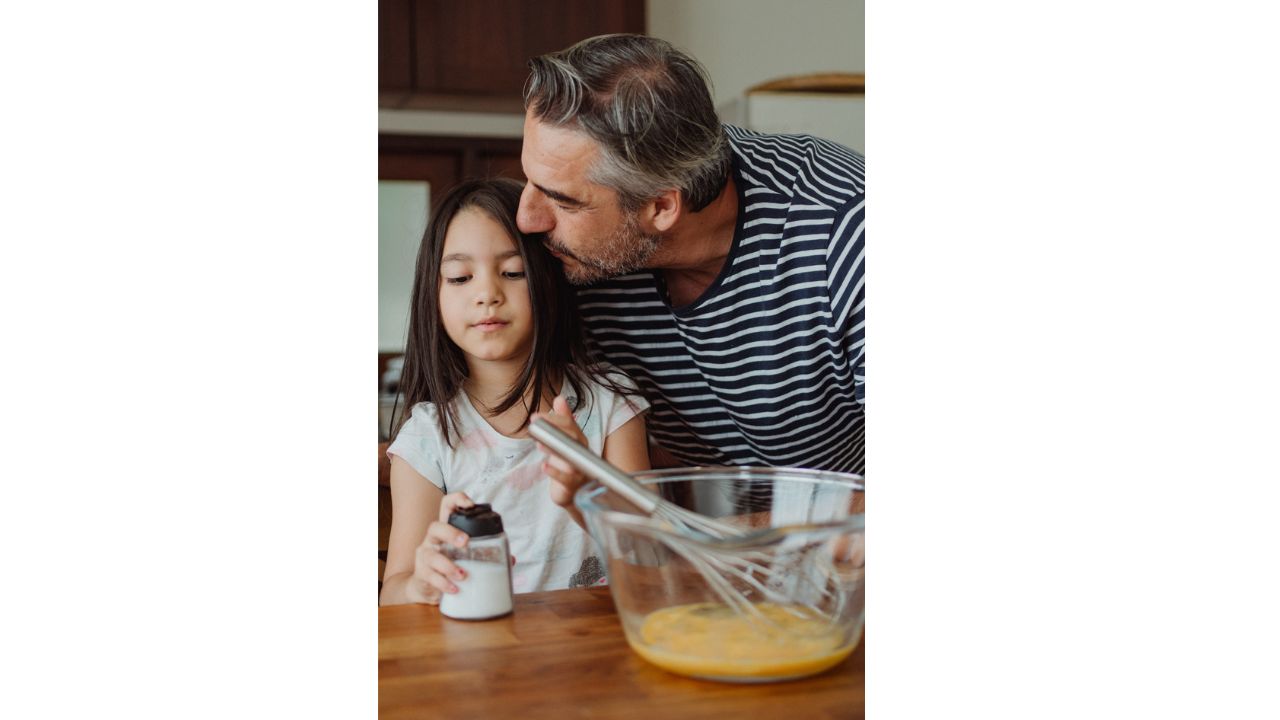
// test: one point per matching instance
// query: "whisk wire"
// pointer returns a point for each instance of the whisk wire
(785, 575)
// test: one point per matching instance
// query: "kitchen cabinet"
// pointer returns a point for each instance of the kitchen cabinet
(448, 55)
(443, 161)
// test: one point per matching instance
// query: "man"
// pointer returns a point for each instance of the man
(721, 269)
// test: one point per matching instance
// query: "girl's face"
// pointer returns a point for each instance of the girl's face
(484, 297)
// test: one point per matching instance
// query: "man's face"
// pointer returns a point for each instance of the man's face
(586, 229)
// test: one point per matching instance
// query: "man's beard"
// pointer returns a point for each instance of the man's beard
(626, 250)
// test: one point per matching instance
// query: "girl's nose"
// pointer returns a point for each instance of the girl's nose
(532, 215)
(489, 293)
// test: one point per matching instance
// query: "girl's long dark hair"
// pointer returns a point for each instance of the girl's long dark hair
(434, 366)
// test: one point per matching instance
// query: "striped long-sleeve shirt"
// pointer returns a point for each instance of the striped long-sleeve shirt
(766, 367)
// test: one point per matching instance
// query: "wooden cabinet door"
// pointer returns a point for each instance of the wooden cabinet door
(395, 46)
(474, 55)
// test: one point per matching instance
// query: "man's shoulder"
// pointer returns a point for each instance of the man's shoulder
(746, 142)
(797, 169)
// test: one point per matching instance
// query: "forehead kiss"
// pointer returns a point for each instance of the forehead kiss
(474, 237)
(584, 223)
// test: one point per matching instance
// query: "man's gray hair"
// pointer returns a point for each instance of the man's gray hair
(647, 104)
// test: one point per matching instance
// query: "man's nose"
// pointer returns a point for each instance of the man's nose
(532, 215)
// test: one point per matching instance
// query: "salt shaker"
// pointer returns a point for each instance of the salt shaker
(486, 590)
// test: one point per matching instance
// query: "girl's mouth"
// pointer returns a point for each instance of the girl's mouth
(490, 325)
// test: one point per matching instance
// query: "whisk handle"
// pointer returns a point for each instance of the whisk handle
(593, 465)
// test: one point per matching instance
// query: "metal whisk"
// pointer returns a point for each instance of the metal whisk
(682, 520)
(719, 551)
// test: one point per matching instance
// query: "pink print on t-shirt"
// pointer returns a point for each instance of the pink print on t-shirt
(476, 440)
(523, 476)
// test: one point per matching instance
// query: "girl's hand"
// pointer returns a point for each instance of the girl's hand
(452, 502)
(565, 478)
(433, 572)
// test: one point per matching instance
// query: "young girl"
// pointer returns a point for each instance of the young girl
(494, 338)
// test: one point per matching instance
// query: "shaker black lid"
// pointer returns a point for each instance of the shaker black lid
(477, 521)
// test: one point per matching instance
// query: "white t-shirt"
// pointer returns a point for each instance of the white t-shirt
(551, 551)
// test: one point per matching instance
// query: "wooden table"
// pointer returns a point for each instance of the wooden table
(562, 654)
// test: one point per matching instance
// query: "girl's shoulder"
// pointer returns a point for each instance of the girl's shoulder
(420, 443)
(423, 421)
(423, 412)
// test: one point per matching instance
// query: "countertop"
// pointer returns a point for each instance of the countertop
(562, 654)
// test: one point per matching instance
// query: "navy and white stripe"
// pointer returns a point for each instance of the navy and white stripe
(766, 368)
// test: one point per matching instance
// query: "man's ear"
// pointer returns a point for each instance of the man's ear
(663, 211)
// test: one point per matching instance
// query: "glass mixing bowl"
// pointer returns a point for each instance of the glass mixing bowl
(771, 606)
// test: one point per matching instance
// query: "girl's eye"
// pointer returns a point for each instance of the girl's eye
(457, 280)
(513, 275)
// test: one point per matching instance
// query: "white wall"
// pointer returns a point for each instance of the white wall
(402, 218)
(839, 118)
(746, 42)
